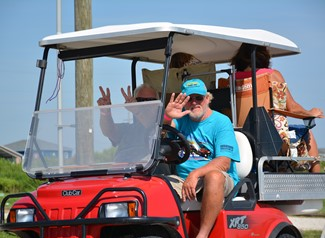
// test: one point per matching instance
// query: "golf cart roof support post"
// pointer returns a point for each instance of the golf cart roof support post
(253, 65)
(42, 64)
(168, 54)
(254, 91)
(133, 73)
(232, 86)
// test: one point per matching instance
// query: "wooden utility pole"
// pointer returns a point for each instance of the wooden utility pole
(84, 89)
(84, 68)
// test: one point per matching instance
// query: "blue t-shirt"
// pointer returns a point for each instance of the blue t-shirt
(209, 139)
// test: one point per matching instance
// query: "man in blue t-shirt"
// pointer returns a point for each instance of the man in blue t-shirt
(214, 151)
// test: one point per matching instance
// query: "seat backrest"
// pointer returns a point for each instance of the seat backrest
(245, 165)
(221, 101)
(244, 96)
(154, 77)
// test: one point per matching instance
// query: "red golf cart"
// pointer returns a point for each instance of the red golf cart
(94, 188)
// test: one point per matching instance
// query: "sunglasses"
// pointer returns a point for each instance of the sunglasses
(141, 99)
(198, 98)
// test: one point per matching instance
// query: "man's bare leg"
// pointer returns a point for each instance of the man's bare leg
(212, 201)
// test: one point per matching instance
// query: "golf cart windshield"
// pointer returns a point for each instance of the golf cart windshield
(79, 146)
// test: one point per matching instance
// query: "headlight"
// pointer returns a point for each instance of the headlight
(22, 215)
(120, 209)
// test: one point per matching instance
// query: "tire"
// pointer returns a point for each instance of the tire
(131, 236)
(135, 236)
(152, 231)
(285, 235)
(150, 237)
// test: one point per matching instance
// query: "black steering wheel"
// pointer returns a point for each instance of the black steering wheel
(174, 146)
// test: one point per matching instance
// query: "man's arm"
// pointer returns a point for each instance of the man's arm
(221, 163)
(174, 108)
(107, 124)
(292, 105)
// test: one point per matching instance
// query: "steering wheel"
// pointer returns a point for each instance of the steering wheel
(174, 146)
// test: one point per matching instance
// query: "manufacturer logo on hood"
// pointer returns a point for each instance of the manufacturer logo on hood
(66, 193)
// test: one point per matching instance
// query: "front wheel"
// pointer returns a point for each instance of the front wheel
(149, 237)
(140, 231)
(285, 235)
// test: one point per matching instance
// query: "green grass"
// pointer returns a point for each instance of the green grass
(14, 180)
(7, 235)
(305, 234)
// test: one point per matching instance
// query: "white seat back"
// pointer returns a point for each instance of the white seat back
(246, 155)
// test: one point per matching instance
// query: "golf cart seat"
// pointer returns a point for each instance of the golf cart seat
(244, 95)
(176, 76)
(244, 167)
(271, 95)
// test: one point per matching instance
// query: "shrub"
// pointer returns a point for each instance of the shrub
(13, 179)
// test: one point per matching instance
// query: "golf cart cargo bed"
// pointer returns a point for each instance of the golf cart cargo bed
(278, 186)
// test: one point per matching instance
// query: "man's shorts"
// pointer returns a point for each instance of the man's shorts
(177, 183)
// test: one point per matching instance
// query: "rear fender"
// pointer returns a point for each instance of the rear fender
(284, 228)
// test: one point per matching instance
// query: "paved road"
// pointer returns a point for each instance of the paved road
(308, 223)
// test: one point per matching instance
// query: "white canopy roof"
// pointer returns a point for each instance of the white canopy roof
(208, 43)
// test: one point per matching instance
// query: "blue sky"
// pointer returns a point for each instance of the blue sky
(24, 23)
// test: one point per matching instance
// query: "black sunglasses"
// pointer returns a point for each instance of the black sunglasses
(198, 98)
(141, 99)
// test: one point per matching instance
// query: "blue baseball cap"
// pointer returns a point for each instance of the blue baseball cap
(194, 86)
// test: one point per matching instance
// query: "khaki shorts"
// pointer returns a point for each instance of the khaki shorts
(177, 183)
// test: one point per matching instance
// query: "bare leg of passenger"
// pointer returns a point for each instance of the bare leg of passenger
(315, 167)
(313, 152)
(212, 201)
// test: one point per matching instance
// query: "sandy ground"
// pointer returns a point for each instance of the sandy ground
(308, 223)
